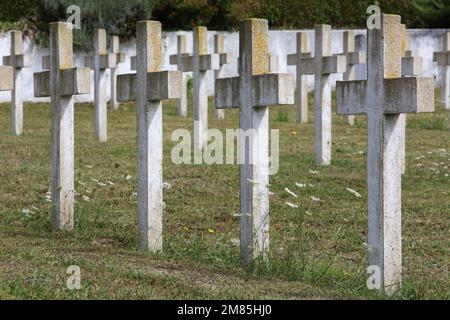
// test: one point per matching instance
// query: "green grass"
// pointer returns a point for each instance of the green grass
(318, 251)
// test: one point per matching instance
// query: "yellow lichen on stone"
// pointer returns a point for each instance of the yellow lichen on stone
(63, 33)
(260, 46)
(202, 34)
(392, 46)
(154, 59)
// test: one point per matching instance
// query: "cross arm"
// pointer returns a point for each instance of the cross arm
(227, 93)
(334, 64)
(225, 58)
(174, 58)
(308, 66)
(442, 58)
(350, 96)
(292, 58)
(164, 85)
(401, 95)
(273, 89)
(161, 85)
(6, 78)
(409, 95)
(358, 57)
(411, 66)
(16, 61)
(72, 81)
(209, 62)
(107, 61)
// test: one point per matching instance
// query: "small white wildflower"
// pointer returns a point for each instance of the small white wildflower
(313, 198)
(290, 192)
(127, 177)
(26, 212)
(313, 171)
(353, 192)
(48, 197)
(85, 198)
(300, 185)
(360, 152)
(236, 242)
(291, 205)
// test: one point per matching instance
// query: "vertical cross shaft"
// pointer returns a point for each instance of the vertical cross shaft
(17, 60)
(114, 48)
(383, 152)
(149, 127)
(100, 99)
(322, 97)
(254, 60)
(224, 58)
(199, 94)
(62, 128)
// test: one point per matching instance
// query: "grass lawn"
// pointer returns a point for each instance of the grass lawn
(318, 251)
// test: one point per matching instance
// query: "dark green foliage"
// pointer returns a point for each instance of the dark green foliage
(120, 16)
(434, 13)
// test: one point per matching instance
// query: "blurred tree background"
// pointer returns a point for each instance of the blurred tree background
(120, 16)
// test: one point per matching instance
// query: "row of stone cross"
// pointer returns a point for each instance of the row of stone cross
(385, 97)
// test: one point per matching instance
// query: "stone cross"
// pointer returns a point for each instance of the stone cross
(224, 58)
(202, 64)
(252, 92)
(411, 62)
(411, 66)
(296, 59)
(114, 48)
(100, 62)
(176, 60)
(383, 97)
(149, 86)
(443, 60)
(322, 65)
(61, 83)
(353, 59)
(18, 61)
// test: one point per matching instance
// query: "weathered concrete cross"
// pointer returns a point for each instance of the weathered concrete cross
(100, 62)
(149, 86)
(176, 60)
(252, 92)
(353, 59)
(18, 60)
(322, 65)
(114, 48)
(443, 60)
(296, 59)
(224, 58)
(61, 83)
(383, 97)
(411, 66)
